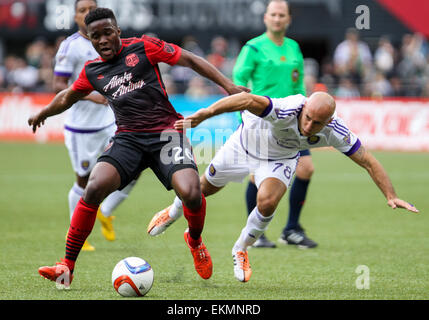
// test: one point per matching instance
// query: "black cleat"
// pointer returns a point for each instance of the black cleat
(297, 237)
(263, 242)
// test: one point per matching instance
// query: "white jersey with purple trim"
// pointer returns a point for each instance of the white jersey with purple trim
(72, 54)
(275, 134)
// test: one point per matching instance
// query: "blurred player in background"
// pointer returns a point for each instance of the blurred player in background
(268, 144)
(89, 124)
(127, 74)
(274, 66)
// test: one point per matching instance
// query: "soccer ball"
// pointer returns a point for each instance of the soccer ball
(132, 277)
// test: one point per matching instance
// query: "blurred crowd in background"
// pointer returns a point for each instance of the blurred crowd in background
(353, 70)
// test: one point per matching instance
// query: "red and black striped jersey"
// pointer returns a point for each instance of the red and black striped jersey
(133, 85)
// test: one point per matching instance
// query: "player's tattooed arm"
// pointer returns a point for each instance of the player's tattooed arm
(379, 175)
(61, 102)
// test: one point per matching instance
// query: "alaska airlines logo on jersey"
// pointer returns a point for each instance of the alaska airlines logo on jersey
(131, 60)
(121, 81)
(117, 81)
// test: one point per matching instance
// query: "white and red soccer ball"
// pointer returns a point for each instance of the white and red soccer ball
(132, 277)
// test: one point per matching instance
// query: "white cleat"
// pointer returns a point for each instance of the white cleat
(160, 222)
(242, 270)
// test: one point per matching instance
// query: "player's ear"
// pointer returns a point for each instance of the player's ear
(119, 30)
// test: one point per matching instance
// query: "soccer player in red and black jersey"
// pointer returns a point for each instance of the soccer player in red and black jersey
(127, 74)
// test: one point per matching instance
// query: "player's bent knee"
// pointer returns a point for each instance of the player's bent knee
(266, 208)
(96, 191)
(305, 168)
(267, 205)
(104, 179)
(191, 197)
(186, 184)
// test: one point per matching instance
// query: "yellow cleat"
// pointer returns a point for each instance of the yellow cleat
(106, 226)
(87, 246)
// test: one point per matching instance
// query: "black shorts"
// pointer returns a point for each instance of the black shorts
(165, 153)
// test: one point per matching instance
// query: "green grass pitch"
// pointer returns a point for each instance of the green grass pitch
(345, 213)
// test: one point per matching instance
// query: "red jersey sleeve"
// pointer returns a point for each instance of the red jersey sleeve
(82, 83)
(160, 51)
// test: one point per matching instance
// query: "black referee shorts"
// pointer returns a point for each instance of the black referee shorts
(165, 153)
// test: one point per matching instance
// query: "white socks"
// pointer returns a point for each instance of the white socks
(75, 194)
(109, 204)
(114, 199)
(256, 225)
(176, 210)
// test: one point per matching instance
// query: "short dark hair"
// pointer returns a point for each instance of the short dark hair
(99, 14)
(76, 2)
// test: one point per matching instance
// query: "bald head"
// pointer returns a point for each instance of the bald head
(317, 113)
(322, 103)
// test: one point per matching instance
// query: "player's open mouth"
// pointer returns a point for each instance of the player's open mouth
(106, 51)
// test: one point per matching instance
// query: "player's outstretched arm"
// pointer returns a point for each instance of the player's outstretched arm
(379, 175)
(237, 102)
(61, 83)
(61, 102)
(206, 69)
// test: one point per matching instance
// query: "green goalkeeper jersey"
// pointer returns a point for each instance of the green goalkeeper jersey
(269, 69)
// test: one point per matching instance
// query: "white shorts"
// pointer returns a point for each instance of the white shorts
(85, 147)
(232, 164)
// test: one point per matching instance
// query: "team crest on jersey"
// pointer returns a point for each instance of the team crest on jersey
(131, 60)
(212, 170)
(168, 48)
(295, 75)
(85, 164)
(347, 139)
(313, 139)
(283, 58)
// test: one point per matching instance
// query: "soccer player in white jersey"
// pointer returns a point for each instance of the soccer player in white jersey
(267, 144)
(89, 124)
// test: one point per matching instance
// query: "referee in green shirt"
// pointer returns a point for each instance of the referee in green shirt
(273, 65)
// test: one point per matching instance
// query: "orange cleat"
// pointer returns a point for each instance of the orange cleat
(160, 222)
(60, 273)
(242, 270)
(202, 260)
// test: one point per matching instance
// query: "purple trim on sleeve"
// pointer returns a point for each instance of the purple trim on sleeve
(267, 109)
(355, 148)
(63, 74)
